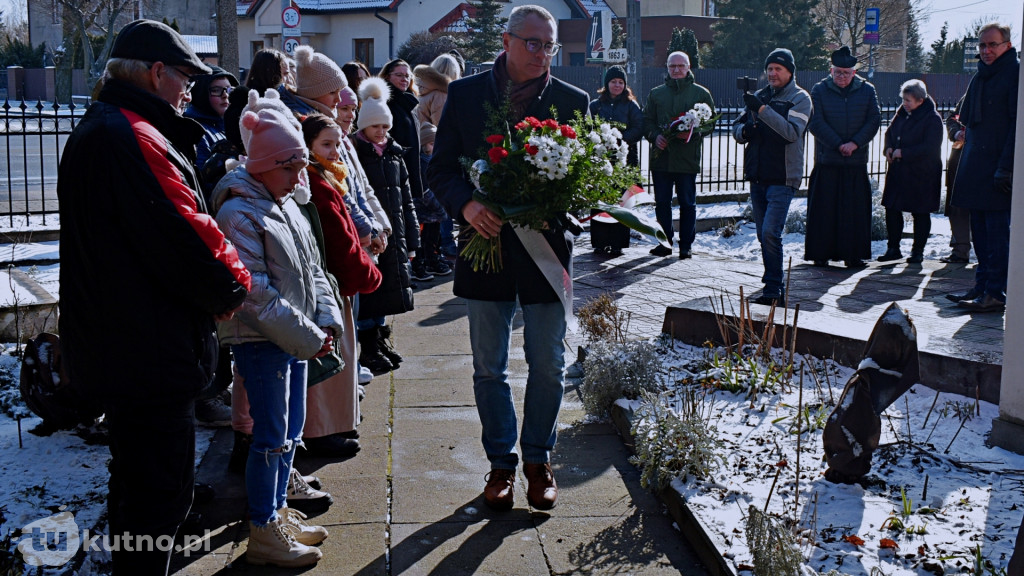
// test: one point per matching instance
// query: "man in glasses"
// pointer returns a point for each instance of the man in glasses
(521, 75)
(144, 274)
(846, 117)
(675, 160)
(985, 175)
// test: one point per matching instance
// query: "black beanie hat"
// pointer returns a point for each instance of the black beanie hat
(783, 57)
(612, 73)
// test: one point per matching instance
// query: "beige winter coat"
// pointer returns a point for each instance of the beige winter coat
(432, 88)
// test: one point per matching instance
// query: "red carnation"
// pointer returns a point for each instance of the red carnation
(497, 154)
(550, 123)
(531, 149)
(520, 125)
(495, 139)
(533, 122)
(568, 132)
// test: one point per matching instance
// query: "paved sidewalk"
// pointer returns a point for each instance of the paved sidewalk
(410, 502)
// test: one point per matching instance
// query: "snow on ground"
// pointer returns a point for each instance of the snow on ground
(960, 494)
(44, 473)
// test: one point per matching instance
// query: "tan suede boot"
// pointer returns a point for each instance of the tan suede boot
(275, 544)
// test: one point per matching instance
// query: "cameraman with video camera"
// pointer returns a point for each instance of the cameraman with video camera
(772, 127)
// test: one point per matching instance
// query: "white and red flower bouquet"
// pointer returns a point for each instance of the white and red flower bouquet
(538, 173)
(698, 119)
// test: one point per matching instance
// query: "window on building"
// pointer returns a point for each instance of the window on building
(255, 46)
(362, 49)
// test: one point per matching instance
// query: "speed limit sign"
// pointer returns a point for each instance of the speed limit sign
(290, 45)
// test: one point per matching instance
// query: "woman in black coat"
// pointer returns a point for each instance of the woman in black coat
(405, 130)
(913, 147)
(616, 102)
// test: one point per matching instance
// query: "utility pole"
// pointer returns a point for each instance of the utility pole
(634, 46)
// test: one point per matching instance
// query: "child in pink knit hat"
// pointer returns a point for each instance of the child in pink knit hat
(290, 316)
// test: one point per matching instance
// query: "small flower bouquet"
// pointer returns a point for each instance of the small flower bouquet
(538, 172)
(699, 119)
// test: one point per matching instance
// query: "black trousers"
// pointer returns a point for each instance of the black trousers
(894, 229)
(152, 471)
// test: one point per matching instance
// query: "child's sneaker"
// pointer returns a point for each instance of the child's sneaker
(438, 267)
(419, 271)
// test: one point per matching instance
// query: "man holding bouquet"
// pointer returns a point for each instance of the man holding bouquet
(676, 148)
(520, 83)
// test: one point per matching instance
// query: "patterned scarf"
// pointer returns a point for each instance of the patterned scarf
(336, 173)
(519, 95)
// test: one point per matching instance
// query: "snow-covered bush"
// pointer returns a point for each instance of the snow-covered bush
(613, 371)
(674, 437)
(772, 545)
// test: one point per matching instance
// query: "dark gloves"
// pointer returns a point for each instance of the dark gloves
(1003, 181)
(753, 102)
(749, 131)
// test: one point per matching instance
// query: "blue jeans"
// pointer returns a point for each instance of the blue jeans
(490, 330)
(771, 206)
(369, 323)
(686, 193)
(448, 247)
(990, 231)
(275, 382)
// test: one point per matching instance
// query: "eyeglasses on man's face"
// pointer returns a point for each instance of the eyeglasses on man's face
(220, 91)
(990, 45)
(534, 44)
(190, 80)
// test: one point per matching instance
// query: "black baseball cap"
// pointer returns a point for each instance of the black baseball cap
(153, 41)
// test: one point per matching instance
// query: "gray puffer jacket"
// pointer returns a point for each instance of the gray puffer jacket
(291, 300)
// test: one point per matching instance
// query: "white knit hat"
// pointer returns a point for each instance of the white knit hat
(374, 94)
(274, 141)
(316, 74)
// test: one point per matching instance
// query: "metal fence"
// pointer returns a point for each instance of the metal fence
(33, 136)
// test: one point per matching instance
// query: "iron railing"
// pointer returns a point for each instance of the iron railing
(33, 136)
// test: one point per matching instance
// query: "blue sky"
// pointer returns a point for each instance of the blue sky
(959, 13)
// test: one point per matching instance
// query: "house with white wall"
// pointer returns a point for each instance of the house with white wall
(371, 30)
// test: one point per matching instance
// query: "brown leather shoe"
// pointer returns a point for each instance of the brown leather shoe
(541, 490)
(498, 494)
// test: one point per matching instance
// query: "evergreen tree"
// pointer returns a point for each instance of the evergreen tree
(618, 35)
(483, 42)
(946, 57)
(916, 61)
(685, 40)
(751, 29)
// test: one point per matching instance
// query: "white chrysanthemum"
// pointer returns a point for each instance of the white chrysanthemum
(607, 168)
(702, 111)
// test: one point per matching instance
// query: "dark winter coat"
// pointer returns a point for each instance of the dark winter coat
(913, 183)
(405, 129)
(774, 138)
(664, 104)
(213, 132)
(460, 135)
(626, 112)
(841, 116)
(390, 181)
(989, 112)
(141, 259)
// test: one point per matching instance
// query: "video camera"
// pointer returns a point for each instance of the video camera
(746, 84)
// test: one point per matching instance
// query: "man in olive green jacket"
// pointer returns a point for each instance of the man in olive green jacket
(675, 159)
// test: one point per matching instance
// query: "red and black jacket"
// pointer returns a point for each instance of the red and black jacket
(144, 267)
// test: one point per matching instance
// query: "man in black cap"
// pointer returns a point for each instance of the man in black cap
(773, 129)
(846, 118)
(143, 263)
(675, 160)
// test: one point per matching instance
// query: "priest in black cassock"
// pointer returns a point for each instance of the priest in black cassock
(846, 118)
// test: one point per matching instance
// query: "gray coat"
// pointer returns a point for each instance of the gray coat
(775, 149)
(842, 116)
(291, 299)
